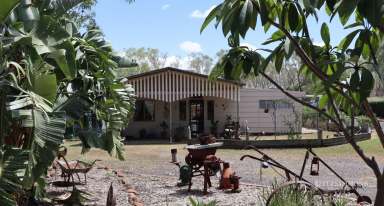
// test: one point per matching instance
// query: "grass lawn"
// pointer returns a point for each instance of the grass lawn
(152, 152)
(326, 135)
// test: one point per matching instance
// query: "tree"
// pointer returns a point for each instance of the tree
(51, 73)
(379, 81)
(289, 77)
(201, 63)
(147, 58)
(340, 74)
(82, 14)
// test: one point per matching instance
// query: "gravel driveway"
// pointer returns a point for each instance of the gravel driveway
(149, 170)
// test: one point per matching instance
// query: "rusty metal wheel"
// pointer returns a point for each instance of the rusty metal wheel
(296, 187)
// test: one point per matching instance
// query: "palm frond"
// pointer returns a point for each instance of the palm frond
(13, 162)
(48, 130)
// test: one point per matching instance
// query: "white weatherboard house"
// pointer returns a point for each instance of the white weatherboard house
(176, 98)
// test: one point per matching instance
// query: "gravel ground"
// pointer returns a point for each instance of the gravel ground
(148, 169)
(98, 183)
(349, 166)
(161, 191)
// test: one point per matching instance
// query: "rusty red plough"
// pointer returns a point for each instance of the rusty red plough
(293, 178)
(201, 161)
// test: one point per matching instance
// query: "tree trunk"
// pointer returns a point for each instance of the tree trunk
(379, 200)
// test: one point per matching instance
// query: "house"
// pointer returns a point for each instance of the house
(169, 100)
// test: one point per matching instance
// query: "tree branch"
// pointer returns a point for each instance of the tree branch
(297, 99)
(374, 121)
(370, 162)
(349, 137)
(311, 65)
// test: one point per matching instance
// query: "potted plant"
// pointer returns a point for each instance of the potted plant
(164, 132)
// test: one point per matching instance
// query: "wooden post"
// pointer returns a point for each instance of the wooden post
(237, 113)
(170, 122)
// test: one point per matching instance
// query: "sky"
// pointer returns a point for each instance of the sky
(173, 26)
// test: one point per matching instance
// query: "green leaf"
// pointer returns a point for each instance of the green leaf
(331, 4)
(344, 44)
(60, 57)
(288, 48)
(6, 7)
(247, 66)
(323, 101)
(245, 11)
(372, 10)
(276, 36)
(279, 58)
(355, 80)
(367, 80)
(356, 24)
(345, 9)
(263, 12)
(45, 85)
(293, 17)
(236, 72)
(325, 34)
(210, 17)
(255, 62)
(28, 13)
(13, 162)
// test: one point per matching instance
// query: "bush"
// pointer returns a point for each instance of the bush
(310, 119)
(377, 104)
(194, 202)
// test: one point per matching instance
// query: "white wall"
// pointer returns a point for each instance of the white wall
(258, 120)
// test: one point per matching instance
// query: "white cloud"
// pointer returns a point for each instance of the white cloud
(165, 7)
(190, 47)
(250, 46)
(202, 14)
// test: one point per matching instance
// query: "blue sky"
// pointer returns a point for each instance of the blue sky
(173, 26)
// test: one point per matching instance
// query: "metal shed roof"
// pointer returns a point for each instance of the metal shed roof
(171, 84)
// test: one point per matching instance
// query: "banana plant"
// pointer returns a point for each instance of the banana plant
(46, 67)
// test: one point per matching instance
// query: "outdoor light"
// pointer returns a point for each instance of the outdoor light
(174, 153)
(265, 163)
(266, 110)
(315, 165)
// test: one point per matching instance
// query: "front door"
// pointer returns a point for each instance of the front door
(196, 114)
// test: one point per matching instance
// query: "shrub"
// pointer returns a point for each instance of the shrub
(194, 202)
(377, 104)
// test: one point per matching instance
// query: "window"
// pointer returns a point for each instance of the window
(270, 104)
(183, 110)
(265, 104)
(211, 110)
(145, 110)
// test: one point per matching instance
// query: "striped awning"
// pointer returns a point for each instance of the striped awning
(170, 85)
